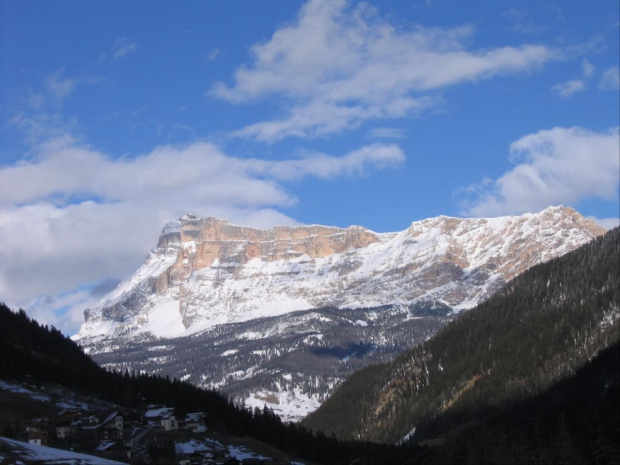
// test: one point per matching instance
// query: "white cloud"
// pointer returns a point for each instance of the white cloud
(522, 21)
(213, 54)
(41, 125)
(320, 118)
(556, 166)
(74, 216)
(568, 88)
(123, 47)
(327, 167)
(60, 87)
(120, 48)
(41, 118)
(340, 66)
(65, 312)
(587, 68)
(387, 133)
(610, 79)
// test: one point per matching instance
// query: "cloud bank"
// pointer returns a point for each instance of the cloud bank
(338, 66)
(552, 167)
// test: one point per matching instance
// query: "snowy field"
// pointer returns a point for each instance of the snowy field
(18, 452)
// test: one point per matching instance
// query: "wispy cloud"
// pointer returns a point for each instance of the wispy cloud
(57, 87)
(568, 88)
(533, 21)
(213, 54)
(60, 87)
(521, 21)
(338, 66)
(120, 48)
(587, 68)
(41, 117)
(610, 79)
(555, 166)
(123, 47)
(387, 133)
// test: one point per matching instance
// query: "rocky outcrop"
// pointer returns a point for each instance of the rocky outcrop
(207, 271)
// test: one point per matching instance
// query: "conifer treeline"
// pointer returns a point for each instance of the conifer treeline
(539, 329)
(43, 353)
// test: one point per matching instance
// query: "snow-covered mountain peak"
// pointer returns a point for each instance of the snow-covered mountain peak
(206, 271)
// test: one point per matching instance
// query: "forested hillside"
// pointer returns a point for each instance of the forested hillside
(43, 355)
(574, 421)
(538, 330)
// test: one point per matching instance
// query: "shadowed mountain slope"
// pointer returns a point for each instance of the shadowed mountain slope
(539, 329)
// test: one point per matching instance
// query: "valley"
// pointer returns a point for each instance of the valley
(282, 317)
(528, 375)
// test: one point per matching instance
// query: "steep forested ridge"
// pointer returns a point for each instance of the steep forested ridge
(43, 355)
(539, 329)
(576, 420)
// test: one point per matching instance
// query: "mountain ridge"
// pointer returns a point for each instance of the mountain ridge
(206, 271)
(223, 307)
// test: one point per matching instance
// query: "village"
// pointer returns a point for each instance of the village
(154, 435)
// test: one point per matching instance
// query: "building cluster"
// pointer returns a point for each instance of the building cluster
(113, 433)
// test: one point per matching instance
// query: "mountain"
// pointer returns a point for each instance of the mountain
(282, 316)
(573, 421)
(496, 358)
(206, 272)
(42, 373)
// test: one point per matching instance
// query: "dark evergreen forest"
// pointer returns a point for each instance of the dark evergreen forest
(530, 336)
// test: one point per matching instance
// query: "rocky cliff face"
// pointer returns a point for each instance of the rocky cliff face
(282, 316)
(206, 272)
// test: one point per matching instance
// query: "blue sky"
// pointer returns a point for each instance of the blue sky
(117, 117)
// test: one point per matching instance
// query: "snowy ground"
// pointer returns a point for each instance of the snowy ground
(61, 397)
(18, 452)
(289, 406)
(19, 389)
(210, 446)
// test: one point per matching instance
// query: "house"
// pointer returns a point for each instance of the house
(66, 429)
(195, 422)
(169, 421)
(67, 423)
(113, 426)
(40, 438)
(113, 450)
(161, 416)
(89, 420)
(93, 428)
(38, 424)
(38, 431)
